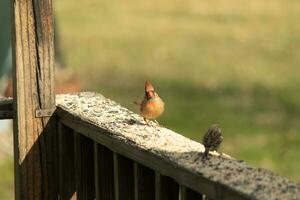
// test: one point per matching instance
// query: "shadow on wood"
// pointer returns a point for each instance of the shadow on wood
(41, 169)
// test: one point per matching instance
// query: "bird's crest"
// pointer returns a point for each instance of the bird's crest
(148, 86)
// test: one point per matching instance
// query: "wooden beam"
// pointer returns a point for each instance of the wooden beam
(35, 139)
(6, 108)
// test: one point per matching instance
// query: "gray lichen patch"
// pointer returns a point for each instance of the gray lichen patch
(130, 128)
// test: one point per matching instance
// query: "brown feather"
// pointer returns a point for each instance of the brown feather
(212, 139)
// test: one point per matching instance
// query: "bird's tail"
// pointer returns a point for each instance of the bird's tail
(137, 103)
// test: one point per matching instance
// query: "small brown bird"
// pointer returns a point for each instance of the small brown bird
(152, 105)
(212, 139)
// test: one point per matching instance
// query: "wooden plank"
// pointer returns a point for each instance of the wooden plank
(116, 176)
(6, 114)
(157, 185)
(67, 188)
(35, 139)
(188, 194)
(169, 189)
(6, 108)
(84, 167)
(144, 182)
(123, 178)
(136, 181)
(223, 193)
(104, 176)
(97, 173)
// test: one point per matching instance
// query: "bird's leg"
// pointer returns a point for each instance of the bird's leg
(205, 154)
(146, 121)
(157, 123)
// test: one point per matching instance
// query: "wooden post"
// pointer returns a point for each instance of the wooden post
(35, 136)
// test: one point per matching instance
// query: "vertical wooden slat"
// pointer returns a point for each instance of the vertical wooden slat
(123, 178)
(207, 198)
(157, 185)
(144, 182)
(66, 163)
(116, 176)
(35, 139)
(104, 177)
(84, 167)
(97, 165)
(136, 180)
(188, 194)
(169, 189)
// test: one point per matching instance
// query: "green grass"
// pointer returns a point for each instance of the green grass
(232, 62)
(6, 180)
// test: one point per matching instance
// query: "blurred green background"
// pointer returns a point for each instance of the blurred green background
(232, 62)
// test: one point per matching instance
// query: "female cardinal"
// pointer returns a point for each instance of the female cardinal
(152, 105)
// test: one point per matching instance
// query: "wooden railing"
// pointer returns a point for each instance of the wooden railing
(107, 152)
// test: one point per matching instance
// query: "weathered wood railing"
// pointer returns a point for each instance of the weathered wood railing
(118, 157)
(106, 152)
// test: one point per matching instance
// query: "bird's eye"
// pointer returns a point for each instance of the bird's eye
(150, 94)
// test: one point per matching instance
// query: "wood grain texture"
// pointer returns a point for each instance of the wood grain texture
(104, 176)
(67, 188)
(35, 139)
(84, 167)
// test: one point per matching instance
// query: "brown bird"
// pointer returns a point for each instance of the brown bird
(152, 105)
(212, 139)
